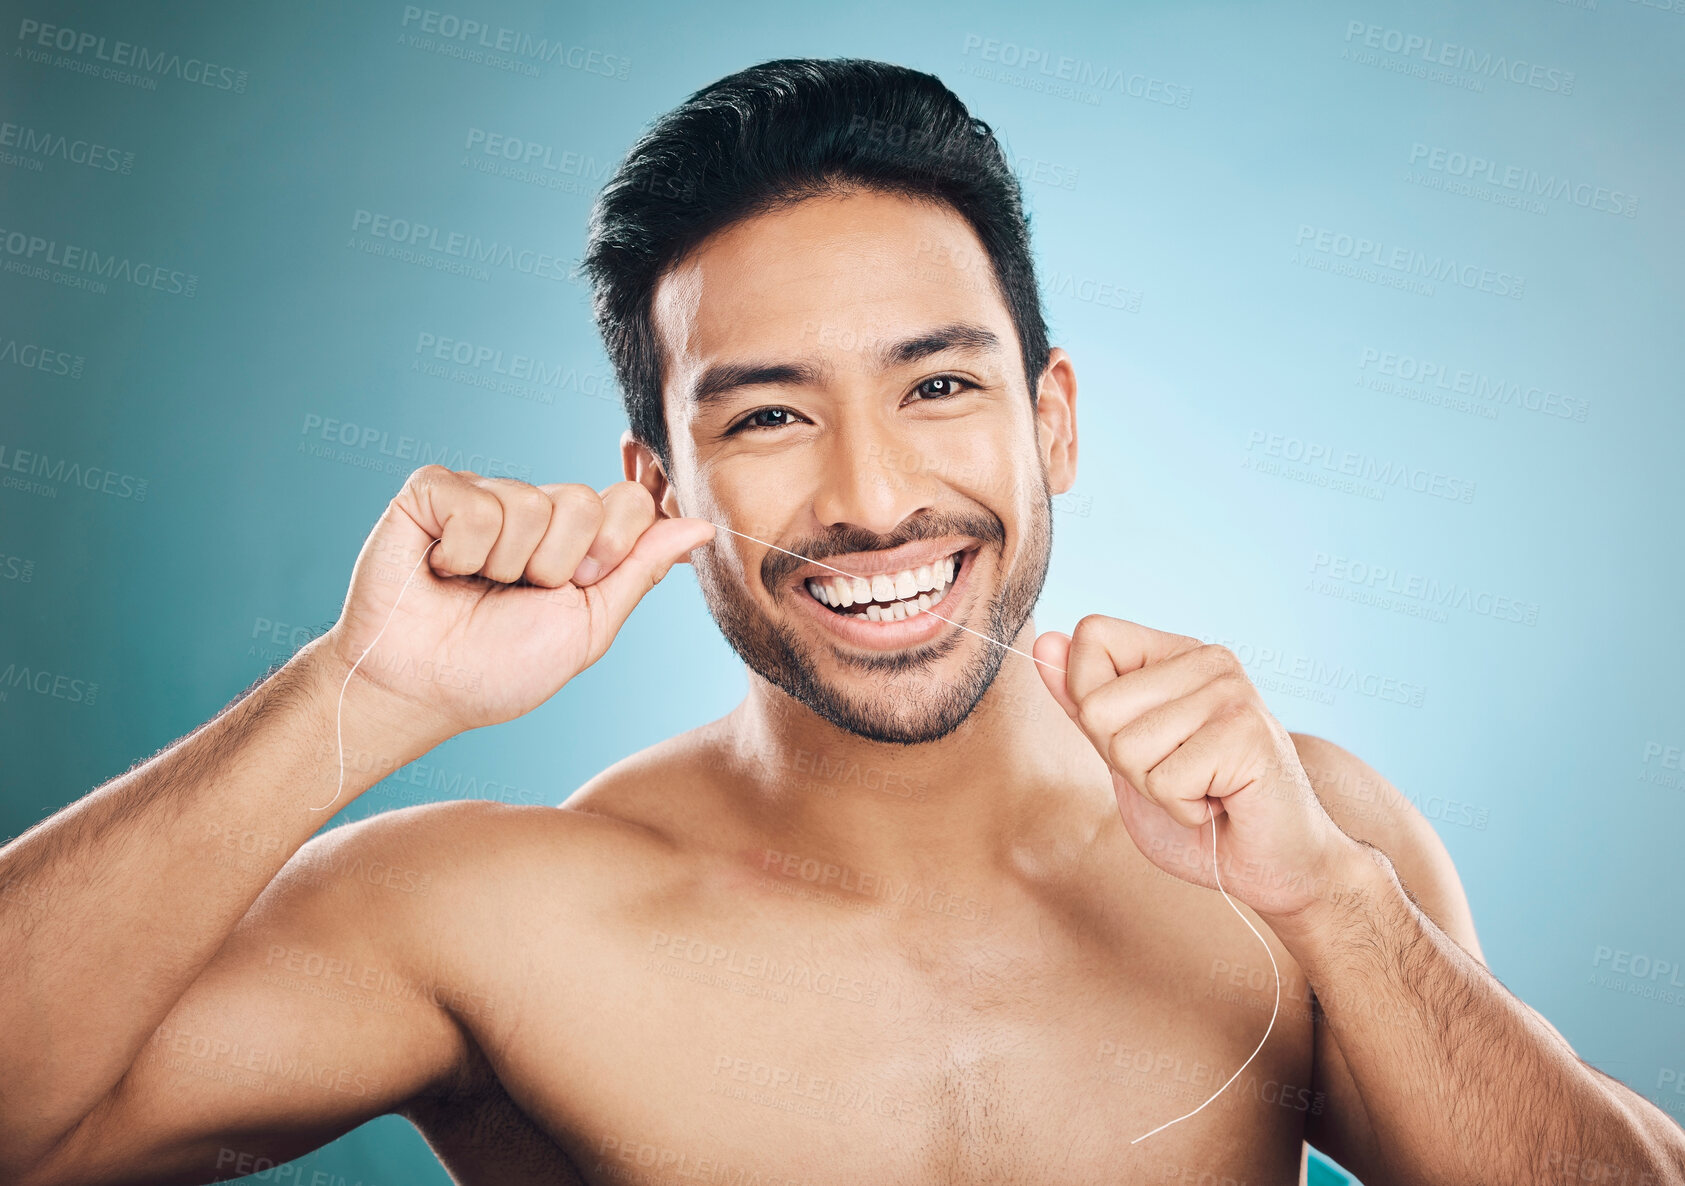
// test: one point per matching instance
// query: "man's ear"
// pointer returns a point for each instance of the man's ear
(639, 463)
(1056, 421)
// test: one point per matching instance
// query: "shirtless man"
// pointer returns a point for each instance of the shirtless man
(918, 910)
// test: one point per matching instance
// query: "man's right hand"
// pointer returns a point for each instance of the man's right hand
(527, 586)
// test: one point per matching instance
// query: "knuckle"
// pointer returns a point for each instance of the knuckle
(614, 539)
(578, 502)
(1216, 658)
(1088, 716)
(1091, 624)
(635, 493)
(1231, 712)
(477, 510)
(1154, 785)
(533, 502)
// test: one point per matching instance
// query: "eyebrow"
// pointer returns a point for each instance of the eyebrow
(723, 378)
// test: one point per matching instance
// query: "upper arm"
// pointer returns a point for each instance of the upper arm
(1369, 808)
(321, 1011)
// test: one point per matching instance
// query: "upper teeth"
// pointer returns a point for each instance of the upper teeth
(910, 591)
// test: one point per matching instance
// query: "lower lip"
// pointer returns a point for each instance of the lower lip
(889, 636)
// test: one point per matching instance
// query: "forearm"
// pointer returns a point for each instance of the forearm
(1461, 1081)
(110, 908)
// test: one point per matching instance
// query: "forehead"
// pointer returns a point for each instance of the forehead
(819, 278)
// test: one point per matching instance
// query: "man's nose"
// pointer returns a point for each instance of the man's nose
(872, 478)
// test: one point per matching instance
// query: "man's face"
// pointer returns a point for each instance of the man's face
(843, 381)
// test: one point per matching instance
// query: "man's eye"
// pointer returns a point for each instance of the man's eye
(765, 418)
(941, 386)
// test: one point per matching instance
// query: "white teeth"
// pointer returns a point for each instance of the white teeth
(887, 597)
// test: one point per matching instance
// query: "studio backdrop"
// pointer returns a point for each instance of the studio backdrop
(1375, 309)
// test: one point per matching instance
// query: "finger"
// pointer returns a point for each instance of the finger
(464, 517)
(1142, 745)
(1219, 760)
(576, 514)
(629, 510)
(1053, 649)
(1104, 648)
(1114, 704)
(526, 517)
(650, 559)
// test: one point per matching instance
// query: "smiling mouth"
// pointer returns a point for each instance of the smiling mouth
(889, 597)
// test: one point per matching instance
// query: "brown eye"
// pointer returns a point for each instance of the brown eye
(941, 386)
(764, 418)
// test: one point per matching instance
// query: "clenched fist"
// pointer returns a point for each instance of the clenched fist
(526, 587)
(1188, 738)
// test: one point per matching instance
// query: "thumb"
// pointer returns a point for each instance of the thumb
(663, 545)
(1055, 648)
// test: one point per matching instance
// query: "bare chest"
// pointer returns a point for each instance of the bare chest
(749, 1040)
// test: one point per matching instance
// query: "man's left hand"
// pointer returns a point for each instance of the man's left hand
(1188, 738)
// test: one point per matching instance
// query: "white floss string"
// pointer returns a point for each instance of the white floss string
(1211, 814)
(339, 711)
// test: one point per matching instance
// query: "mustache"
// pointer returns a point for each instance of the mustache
(843, 540)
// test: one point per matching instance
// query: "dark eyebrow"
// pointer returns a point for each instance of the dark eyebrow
(958, 336)
(723, 378)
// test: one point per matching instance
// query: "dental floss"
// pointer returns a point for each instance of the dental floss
(337, 722)
(1211, 814)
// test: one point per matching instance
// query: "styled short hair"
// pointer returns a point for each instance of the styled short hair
(769, 137)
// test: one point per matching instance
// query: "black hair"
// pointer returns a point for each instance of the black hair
(769, 137)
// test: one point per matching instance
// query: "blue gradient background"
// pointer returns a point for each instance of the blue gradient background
(1538, 750)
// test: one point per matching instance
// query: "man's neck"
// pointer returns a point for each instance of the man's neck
(958, 805)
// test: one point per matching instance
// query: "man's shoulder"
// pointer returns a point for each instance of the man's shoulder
(469, 858)
(1369, 808)
(636, 813)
